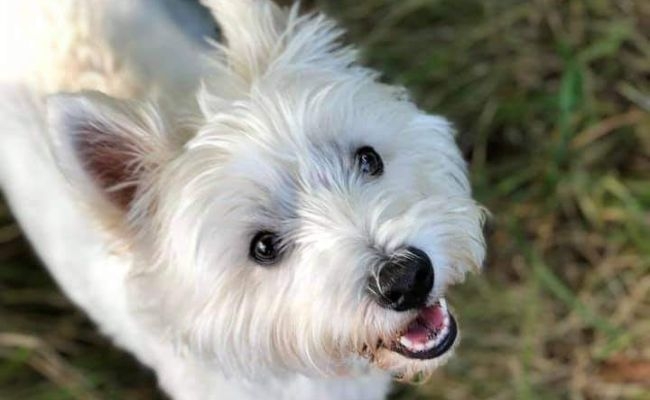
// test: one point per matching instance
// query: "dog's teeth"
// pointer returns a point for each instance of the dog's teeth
(404, 341)
(443, 334)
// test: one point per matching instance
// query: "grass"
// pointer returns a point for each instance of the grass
(551, 99)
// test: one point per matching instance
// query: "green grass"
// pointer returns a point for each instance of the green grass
(551, 99)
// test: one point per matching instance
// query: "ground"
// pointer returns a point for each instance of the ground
(551, 99)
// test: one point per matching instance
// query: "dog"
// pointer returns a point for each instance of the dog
(256, 217)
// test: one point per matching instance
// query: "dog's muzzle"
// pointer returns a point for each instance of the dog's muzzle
(402, 284)
(429, 335)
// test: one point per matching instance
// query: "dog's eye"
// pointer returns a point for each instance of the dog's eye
(265, 248)
(369, 162)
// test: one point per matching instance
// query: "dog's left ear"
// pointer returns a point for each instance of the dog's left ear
(106, 147)
(252, 29)
(259, 34)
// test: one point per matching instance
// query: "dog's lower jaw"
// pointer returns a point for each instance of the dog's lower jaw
(425, 342)
(403, 368)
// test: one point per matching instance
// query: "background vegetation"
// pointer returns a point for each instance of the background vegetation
(552, 100)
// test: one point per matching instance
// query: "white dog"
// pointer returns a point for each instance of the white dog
(255, 219)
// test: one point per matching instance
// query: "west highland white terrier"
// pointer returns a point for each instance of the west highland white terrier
(256, 218)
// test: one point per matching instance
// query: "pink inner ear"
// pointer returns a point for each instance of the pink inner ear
(110, 160)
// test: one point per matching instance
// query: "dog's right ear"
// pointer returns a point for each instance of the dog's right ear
(106, 147)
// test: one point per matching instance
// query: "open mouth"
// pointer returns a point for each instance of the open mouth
(431, 334)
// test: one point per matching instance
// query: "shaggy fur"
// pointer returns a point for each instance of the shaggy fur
(142, 199)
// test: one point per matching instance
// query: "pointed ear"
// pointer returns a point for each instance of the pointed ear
(259, 33)
(252, 29)
(106, 147)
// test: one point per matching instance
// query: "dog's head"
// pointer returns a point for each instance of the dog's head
(312, 218)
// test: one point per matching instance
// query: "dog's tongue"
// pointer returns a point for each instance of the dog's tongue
(433, 317)
(429, 320)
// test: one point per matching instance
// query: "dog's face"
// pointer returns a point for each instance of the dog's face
(315, 217)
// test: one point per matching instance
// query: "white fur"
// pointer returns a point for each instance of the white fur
(256, 134)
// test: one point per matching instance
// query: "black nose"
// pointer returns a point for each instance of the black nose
(404, 282)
